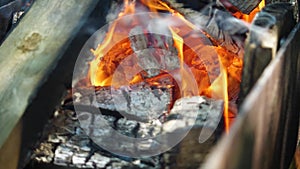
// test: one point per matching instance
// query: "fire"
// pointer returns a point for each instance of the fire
(199, 56)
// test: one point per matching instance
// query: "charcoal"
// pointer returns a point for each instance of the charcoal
(245, 6)
(140, 101)
(76, 149)
(149, 58)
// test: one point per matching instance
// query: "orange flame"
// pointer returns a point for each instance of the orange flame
(112, 51)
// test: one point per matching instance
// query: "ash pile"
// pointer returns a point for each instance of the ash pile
(67, 142)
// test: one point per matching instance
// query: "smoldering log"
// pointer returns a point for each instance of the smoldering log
(224, 29)
(268, 31)
(31, 50)
(245, 6)
(149, 58)
(139, 101)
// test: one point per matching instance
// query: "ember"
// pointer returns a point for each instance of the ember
(191, 55)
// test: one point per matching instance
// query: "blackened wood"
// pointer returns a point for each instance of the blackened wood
(265, 133)
(146, 48)
(224, 29)
(141, 101)
(277, 21)
(245, 6)
(31, 52)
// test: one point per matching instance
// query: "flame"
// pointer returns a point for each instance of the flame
(199, 56)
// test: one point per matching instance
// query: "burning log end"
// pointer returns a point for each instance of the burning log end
(154, 52)
(214, 20)
(245, 6)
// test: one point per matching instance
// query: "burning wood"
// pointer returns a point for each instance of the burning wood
(213, 58)
(151, 59)
(140, 101)
(244, 6)
(225, 29)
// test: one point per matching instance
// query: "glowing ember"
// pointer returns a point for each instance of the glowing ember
(216, 71)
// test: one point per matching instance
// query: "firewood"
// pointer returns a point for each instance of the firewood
(245, 6)
(224, 29)
(141, 101)
(31, 51)
(154, 52)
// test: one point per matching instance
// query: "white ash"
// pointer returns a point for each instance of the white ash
(66, 144)
(155, 52)
(139, 101)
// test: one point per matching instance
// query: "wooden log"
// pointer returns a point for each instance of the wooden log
(245, 6)
(142, 101)
(154, 53)
(277, 21)
(31, 51)
(214, 20)
(265, 133)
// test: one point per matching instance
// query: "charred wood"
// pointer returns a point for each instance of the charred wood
(139, 101)
(224, 29)
(154, 52)
(245, 6)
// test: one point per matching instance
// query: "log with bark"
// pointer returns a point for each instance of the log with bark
(31, 51)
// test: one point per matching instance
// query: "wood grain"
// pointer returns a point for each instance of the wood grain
(276, 20)
(32, 50)
(265, 133)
